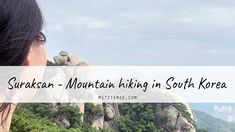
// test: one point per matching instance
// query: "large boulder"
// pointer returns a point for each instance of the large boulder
(62, 58)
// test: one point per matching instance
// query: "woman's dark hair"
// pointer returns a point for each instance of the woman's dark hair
(20, 24)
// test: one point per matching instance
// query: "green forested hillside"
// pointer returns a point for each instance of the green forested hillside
(39, 118)
(133, 117)
(212, 124)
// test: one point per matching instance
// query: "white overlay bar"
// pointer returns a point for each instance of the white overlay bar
(95, 84)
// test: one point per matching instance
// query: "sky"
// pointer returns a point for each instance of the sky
(143, 33)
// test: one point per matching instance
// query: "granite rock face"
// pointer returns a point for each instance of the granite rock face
(64, 59)
(111, 115)
(171, 119)
(64, 123)
(109, 112)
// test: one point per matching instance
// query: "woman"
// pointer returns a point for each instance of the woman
(21, 42)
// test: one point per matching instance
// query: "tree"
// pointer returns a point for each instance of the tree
(137, 117)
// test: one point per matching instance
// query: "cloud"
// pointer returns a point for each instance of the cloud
(231, 118)
(226, 112)
(211, 51)
(220, 51)
(223, 109)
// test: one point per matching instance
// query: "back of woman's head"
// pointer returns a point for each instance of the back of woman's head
(20, 24)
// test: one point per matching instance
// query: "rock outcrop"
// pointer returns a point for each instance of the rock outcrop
(64, 123)
(172, 120)
(63, 59)
(111, 115)
(170, 117)
(109, 112)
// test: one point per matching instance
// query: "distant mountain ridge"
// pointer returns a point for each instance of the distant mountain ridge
(212, 124)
